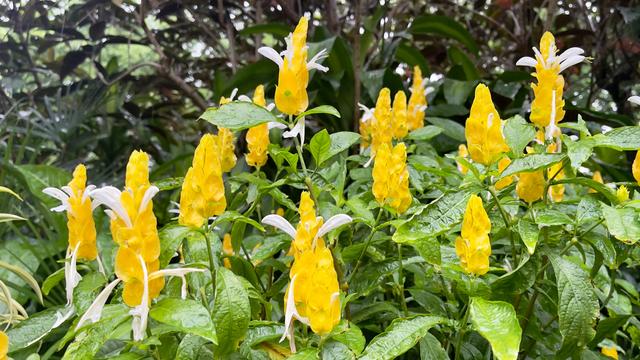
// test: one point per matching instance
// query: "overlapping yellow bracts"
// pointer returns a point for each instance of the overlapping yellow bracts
(463, 153)
(82, 228)
(473, 246)
(365, 132)
(399, 115)
(316, 288)
(227, 249)
(483, 129)
(141, 239)
(503, 183)
(258, 136)
(4, 345)
(622, 193)
(556, 192)
(202, 194)
(291, 93)
(547, 104)
(530, 186)
(417, 101)
(391, 177)
(635, 168)
(381, 128)
(597, 177)
(610, 351)
(227, 149)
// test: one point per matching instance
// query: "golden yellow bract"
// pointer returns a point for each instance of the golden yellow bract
(483, 129)
(530, 186)
(635, 168)
(503, 183)
(258, 136)
(463, 153)
(399, 115)
(417, 101)
(4, 345)
(227, 149)
(227, 249)
(597, 177)
(610, 351)
(381, 127)
(391, 177)
(547, 104)
(291, 93)
(202, 194)
(307, 227)
(82, 228)
(473, 246)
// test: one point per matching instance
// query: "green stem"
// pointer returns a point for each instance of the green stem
(463, 327)
(205, 232)
(366, 246)
(505, 217)
(403, 301)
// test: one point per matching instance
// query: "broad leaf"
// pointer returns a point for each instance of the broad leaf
(341, 141)
(33, 329)
(232, 311)
(518, 133)
(319, 146)
(431, 349)
(445, 26)
(322, 109)
(622, 138)
(170, 239)
(531, 163)
(425, 133)
(496, 321)
(185, 315)
(238, 115)
(528, 232)
(623, 223)
(578, 151)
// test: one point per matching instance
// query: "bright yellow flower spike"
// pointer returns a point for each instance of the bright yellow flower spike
(258, 136)
(622, 193)
(399, 115)
(635, 168)
(381, 128)
(391, 177)
(503, 183)
(365, 126)
(227, 149)
(202, 194)
(483, 129)
(530, 186)
(307, 227)
(464, 153)
(547, 107)
(82, 228)
(4, 345)
(227, 249)
(597, 177)
(291, 93)
(417, 101)
(473, 246)
(610, 351)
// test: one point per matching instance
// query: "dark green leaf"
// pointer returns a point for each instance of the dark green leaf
(431, 349)
(322, 109)
(278, 29)
(528, 232)
(185, 315)
(319, 146)
(622, 138)
(518, 133)
(232, 311)
(341, 141)
(425, 133)
(530, 163)
(446, 26)
(31, 330)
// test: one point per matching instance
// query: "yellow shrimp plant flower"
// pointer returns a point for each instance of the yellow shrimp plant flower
(202, 194)
(4, 345)
(365, 127)
(503, 183)
(225, 140)
(381, 127)
(635, 167)
(399, 115)
(258, 136)
(530, 186)
(82, 229)
(227, 249)
(622, 193)
(391, 177)
(610, 351)
(463, 153)
(312, 296)
(597, 177)
(473, 246)
(547, 107)
(134, 229)
(417, 101)
(483, 128)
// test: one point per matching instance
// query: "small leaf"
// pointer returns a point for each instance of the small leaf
(319, 146)
(622, 138)
(528, 232)
(341, 141)
(623, 223)
(431, 349)
(31, 330)
(425, 133)
(428, 246)
(232, 311)
(170, 239)
(238, 115)
(496, 321)
(171, 183)
(578, 151)
(400, 336)
(52, 280)
(186, 315)
(234, 216)
(518, 133)
(531, 163)
(322, 109)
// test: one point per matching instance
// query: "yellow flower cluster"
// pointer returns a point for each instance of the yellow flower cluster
(258, 136)
(483, 129)
(417, 101)
(391, 177)
(547, 104)
(291, 93)
(556, 192)
(502, 164)
(635, 168)
(473, 246)
(610, 351)
(4, 345)
(597, 177)
(82, 228)
(315, 282)
(138, 241)
(381, 126)
(399, 116)
(226, 147)
(202, 194)
(530, 186)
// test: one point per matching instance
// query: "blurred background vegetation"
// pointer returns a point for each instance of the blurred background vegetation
(91, 80)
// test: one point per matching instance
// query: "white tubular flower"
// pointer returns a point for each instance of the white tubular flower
(291, 313)
(71, 275)
(634, 99)
(569, 57)
(297, 129)
(94, 311)
(285, 226)
(140, 313)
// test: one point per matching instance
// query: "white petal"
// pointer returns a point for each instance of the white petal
(148, 195)
(173, 272)
(233, 93)
(634, 99)
(86, 193)
(71, 275)
(527, 61)
(569, 53)
(275, 124)
(270, 107)
(272, 55)
(110, 197)
(60, 195)
(298, 128)
(539, 57)
(366, 165)
(575, 59)
(314, 63)
(140, 313)
(280, 223)
(60, 208)
(334, 222)
(244, 98)
(67, 189)
(94, 311)
(62, 317)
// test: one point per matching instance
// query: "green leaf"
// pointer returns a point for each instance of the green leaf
(305, 354)
(578, 151)
(341, 141)
(86, 291)
(462, 61)
(39, 177)
(186, 315)
(170, 239)
(231, 216)
(425, 133)
(10, 217)
(52, 280)
(319, 146)
(322, 109)
(518, 133)
(580, 126)
(496, 321)
(33, 329)
(519, 280)
(411, 56)
(25, 276)
(167, 184)
(592, 184)
(528, 232)
(608, 327)
(531, 162)
(428, 247)
(445, 26)
(189, 348)
(450, 128)
(400, 336)
(352, 337)
(457, 91)
(431, 349)
(6, 190)
(577, 305)
(552, 217)
(623, 223)
(232, 311)
(238, 115)
(622, 138)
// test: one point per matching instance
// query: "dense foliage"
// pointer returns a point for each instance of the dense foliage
(192, 180)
